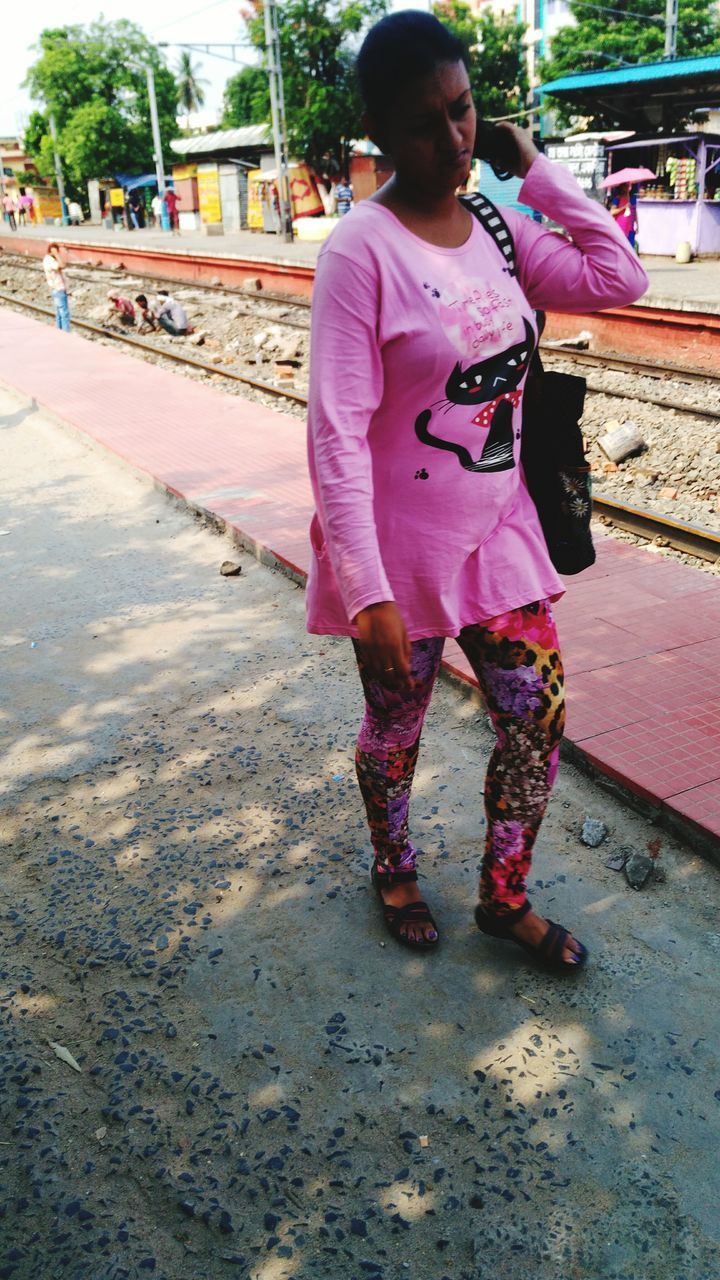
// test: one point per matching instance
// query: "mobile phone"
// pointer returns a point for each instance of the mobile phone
(498, 148)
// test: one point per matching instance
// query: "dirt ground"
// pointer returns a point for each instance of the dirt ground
(268, 1087)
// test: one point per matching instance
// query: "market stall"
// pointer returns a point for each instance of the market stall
(682, 203)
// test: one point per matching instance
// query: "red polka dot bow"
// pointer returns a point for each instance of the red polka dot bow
(485, 415)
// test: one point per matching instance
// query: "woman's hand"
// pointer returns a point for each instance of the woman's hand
(526, 149)
(385, 643)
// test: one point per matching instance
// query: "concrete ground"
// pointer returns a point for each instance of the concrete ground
(269, 1088)
(691, 287)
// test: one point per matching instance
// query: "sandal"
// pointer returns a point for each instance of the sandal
(417, 913)
(548, 952)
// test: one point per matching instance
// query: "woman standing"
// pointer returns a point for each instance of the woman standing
(624, 211)
(424, 526)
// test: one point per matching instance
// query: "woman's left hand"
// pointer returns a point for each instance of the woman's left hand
(526, 149)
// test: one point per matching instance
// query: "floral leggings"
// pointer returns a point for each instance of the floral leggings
(517, 663)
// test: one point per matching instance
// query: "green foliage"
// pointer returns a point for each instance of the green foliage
(92, 80)
(318, 40)
(190, 92)
(601, 39)
(496, 56)
(246, 99)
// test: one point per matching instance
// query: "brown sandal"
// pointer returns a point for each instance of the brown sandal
(396, 918)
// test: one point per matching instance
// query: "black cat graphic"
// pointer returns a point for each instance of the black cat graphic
(492, 383)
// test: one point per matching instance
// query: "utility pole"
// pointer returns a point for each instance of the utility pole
(277, 109)
(58, 171)
(671, 28)
(157, 144)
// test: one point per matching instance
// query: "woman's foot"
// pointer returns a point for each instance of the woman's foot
(549, 943)
(533, 928)
(407, 916)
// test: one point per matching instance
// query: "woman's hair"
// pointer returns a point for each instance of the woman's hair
(400, 48)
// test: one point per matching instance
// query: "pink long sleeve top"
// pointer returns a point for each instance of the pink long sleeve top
(418, 360)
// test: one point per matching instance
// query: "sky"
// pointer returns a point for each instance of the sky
(172, 20)
(181, 20)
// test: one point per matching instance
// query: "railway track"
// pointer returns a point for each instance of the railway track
(602, 360)
(689, 539)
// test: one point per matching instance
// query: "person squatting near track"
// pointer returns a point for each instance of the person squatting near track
(121, 309)
(424, 527)
(170, 315)
(148, 323)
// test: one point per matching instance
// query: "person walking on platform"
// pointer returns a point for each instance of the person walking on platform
(156, 206)
(171, 315)
(424, 527)
(171, 204)
(75, 214)
(52, 266)
(9, 210)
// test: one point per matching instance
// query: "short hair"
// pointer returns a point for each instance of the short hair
(402, 47)
(142, 299)
(163, 293)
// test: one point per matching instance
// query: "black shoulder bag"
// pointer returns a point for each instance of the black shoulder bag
(552, 450)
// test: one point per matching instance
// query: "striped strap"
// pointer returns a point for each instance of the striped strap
(495, 225)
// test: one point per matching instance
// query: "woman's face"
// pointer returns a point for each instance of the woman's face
(430, 130)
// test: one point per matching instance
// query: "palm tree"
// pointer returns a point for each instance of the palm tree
(191, 94)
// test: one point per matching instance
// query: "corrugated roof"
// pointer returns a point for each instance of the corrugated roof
(250, 135)
(668, 69)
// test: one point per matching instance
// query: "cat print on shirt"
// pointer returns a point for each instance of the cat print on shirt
(493, 384)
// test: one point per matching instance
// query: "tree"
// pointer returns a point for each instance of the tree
(191, 94)
(246, 99)
(318, 39)
(495, 54)
(628, 31)
(92, 80)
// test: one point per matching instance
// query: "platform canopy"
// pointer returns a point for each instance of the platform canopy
(252, 137)
(650, 95)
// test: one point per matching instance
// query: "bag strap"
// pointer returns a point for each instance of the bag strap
(495, 225)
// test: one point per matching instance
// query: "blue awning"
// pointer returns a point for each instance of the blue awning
(705, 67)
(130, 181)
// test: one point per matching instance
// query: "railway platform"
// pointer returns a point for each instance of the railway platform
(641, 633)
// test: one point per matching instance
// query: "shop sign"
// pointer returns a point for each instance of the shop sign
(208, 181)
(585, 160)
(117, 198)
(181, 171)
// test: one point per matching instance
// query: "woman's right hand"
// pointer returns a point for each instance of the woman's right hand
(385, 644)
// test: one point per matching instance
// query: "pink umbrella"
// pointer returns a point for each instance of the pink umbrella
(628, 175)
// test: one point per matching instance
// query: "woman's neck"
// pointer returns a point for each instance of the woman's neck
(401, 196)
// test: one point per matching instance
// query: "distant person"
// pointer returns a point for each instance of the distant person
(24, 208)
(53, 268)
(121, 309)
(9, 210)
(148, 321)
(343, 197)
(172, 200)
(156, 205)
(138, 208)
(130, 214)
(170, 315)
(624, 211)
(75, 214)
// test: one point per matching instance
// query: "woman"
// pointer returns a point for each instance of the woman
(424, 527)
(624, 211)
